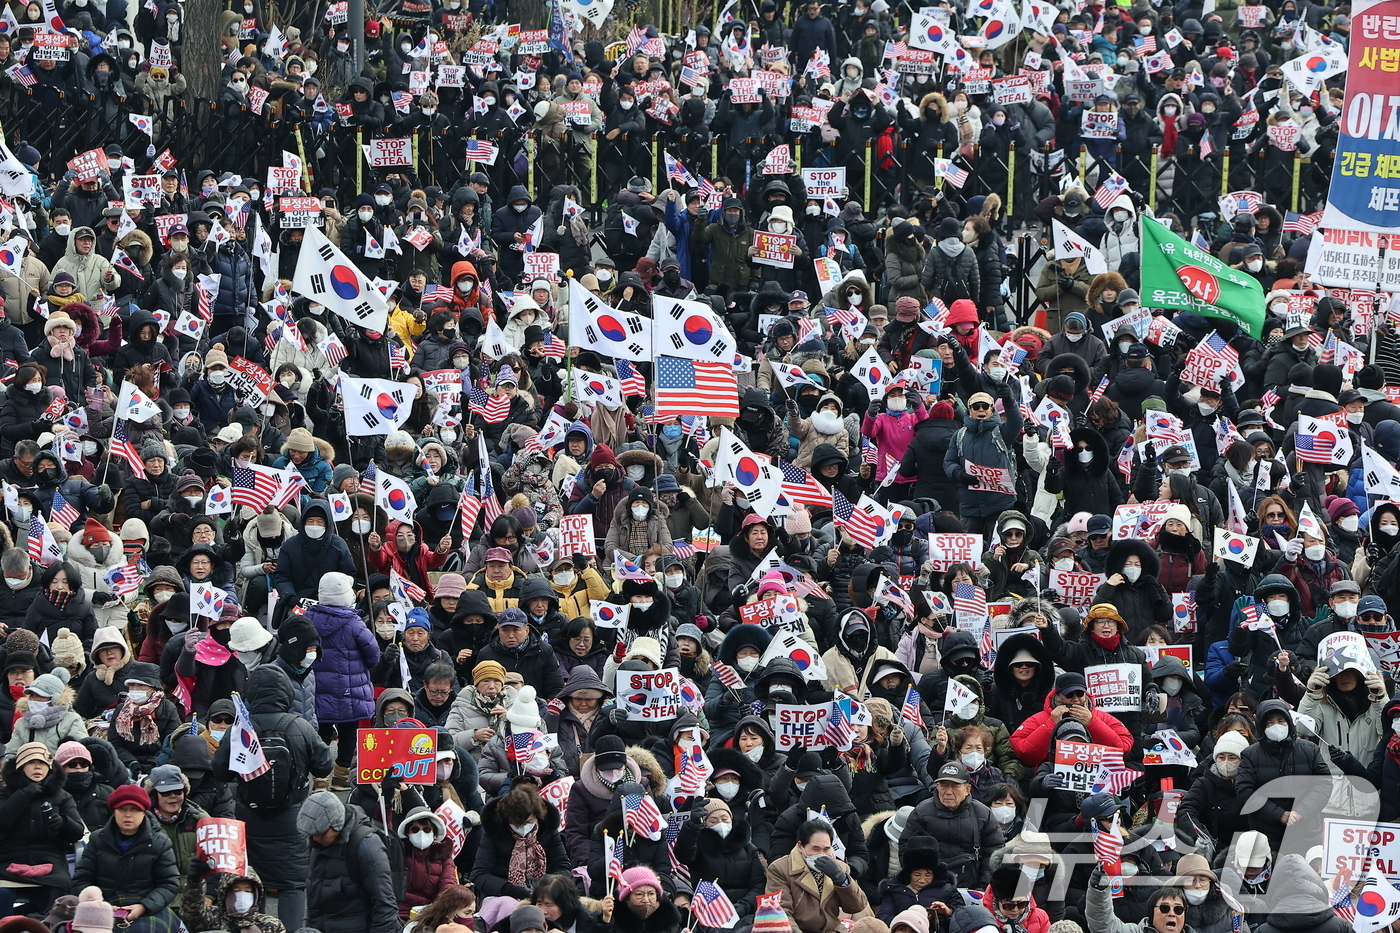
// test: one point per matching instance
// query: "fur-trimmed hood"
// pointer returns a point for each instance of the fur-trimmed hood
(1119, 551)
(1101, 282)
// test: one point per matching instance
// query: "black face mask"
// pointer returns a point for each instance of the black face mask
(858, 641)
(49, 476)
(671, 276)
(807, 404)
(78, 780)
(607, 476)
(221, 635)
(749, 416)
(902, 537)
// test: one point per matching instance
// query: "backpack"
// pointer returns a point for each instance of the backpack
(275, 787)
(393, 849)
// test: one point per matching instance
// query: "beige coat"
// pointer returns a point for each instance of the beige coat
(33, 274)
(814, 911)
(841, 673)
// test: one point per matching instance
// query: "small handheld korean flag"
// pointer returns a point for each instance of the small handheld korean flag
(340, 505)
(958, 699)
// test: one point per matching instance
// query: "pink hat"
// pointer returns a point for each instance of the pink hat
(772, 582)
(72, 751)
(799, 522)
(639, 876)
(498, 553)
(451, 584)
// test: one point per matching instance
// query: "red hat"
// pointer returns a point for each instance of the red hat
(94, 532)
(129, 793)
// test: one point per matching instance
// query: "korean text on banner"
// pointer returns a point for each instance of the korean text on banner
(650, 696)
(1364, 195)
(1116, 688)
(1077, 763)
(407, 754)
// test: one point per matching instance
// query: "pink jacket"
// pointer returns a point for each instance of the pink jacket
(892, 434)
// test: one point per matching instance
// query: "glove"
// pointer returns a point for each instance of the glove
(391, 783)
(1052, 781)
(617, 716)
(1293, 548)
(968, 479)
(1318, 681)
(794, 755)
(1066, 282)
(1375, 682)
(832, 869)
(1234, 669)
(197, 868)
(874, 408)
(699, 808)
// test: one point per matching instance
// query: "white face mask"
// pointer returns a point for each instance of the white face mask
(420, 840)
(1254, 265)
(89, 448)
(1229, 769)
(218, 734)
(217, 377)
(896, 404)
(269, 410)
(778, 226)
(1130, 869)
(524, 830)
(34, 387)
(193, 501)
(625, 104)
(729, 789)
(364, 214)
(640, 512)
(1278, 607)
(747, 664)
(175, 626)
(22, 513)
(1205, 408)
(970, 712)
(1124, 346)
(448, 437)
(1277, 732)
(1355, 417)
(1131, 574)
(675, 580)
(564, 578)
(811, 861)
(314, 531)
(308, 659)
(62, 229)
(636, 472)
(755, 754)
(1391, 530)
(974, 760)
(724, 828)
(361, 526)
(996, 372)
(1196, 896)
(642, 605)
(138, 696)
(38, 705)
(242, 901)
(382, 200)
(1171, 685)
(1086, 456)
(1064, 563)
(1074, 336)
(1395, 726)
(1345, 610)
(1003, 815)
(182, 413)
(1315, 551)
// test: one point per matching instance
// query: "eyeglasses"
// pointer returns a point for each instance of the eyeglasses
(979, 406)
(1013, 533)
(1170, 909)
(1273, 515)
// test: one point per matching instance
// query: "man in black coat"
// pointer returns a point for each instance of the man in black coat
(966, 831)
(1281, 753)
(311, 554)
(810, 32)
(520, 650)
(351, 888)
(508, 228)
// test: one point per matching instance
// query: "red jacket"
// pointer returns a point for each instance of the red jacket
(1031, 742)
(425, 557)
(427, 873)
(1035, 919)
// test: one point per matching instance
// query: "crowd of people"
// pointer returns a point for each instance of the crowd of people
(971, 517)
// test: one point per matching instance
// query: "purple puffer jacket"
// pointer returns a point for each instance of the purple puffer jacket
(344, 692)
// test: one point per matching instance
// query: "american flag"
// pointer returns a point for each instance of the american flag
(864, 526)
(1328, 354)
(635, 38)
(839, 316)
(23, 75)
(62, 511)
(987, 646)
(807, 329)
(1114, 776)
(334, 351)
(800, 486)
(1108, 845)
(492, 408)
(1340, 901)
(468, 509)
(479, 150)
(1099, 390)
(839, 731)
(491, 508)
(1301, 223)
(437, 293)
(122, 447)
(1269, 399)
(1146, 45)
(841, 507)
(398, 359)
(953, 174)
(1314, 449)
(712, 907)
(522, 746)
(292, 486)
(686, 385)
(971, 599)
(554, 348)
(910, 710)
(403, 101)
(123, 580)
(695, 769)
(640, 815)
(653, 417)
(1207, 147)
(253, 486)
(632, 381)
(727, 675)
(614, 848)
(1112, 187)
(868, 453)
(405, 591)
(675, 171)
(820, 65)
(674, 826)
(682, 549)
(42, 547)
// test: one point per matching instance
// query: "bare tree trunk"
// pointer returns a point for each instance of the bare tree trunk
(534, 14)
(203, 55)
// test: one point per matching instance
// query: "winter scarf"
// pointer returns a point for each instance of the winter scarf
(131, 715)
(527, 861)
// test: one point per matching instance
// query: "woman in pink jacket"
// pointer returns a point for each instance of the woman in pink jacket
(890, 425)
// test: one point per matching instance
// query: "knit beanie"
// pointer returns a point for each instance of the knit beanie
(488, 669)
(638, 876)
(770, 917)
(799, 522)
(320, 812)
(93, 914)
(523, 714)
(1233, 742)
(336, 589)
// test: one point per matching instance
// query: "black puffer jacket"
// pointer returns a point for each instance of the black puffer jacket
(1091, 487)
(1267, 760)
(20, 417)
(28, 836)
(1143, 603)
(342, 900)
(732, 861)
(924, 459)
(1008, 700)
(493, 856)
(143, 872)
(824, 790)
(1213, 805)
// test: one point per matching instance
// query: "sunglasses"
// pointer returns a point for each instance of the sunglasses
(980, 406)
(77, 766)
(1024, 664)
(1371, 617)
(1273, 515)
(1171, 909)
(1014, 905)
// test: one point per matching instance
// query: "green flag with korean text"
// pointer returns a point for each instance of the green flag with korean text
(1182, 277)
